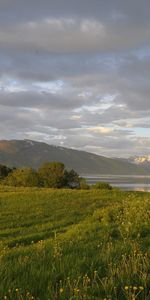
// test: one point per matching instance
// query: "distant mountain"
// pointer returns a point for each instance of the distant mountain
(142, 161)
(22, 153)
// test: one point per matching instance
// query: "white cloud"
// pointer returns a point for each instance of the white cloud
(75, 117)
(101, 130)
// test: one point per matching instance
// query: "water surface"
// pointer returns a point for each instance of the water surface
(124, 182)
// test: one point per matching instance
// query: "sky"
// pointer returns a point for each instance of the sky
(76, 74)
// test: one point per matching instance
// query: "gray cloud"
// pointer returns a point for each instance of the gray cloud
(76, 73)
(71, 35)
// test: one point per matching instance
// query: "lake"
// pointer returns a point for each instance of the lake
(124, 182)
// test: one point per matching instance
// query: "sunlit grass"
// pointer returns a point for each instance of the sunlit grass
(71, 244)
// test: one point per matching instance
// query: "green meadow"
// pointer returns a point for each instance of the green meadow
(74, 244)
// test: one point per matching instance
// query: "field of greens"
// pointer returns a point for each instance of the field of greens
(73, 244)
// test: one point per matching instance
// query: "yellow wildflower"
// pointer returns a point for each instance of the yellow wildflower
(61, 290)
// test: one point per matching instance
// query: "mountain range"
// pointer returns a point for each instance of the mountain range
(141, 160)
(23, 153)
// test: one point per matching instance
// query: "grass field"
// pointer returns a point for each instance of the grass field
(72, 244)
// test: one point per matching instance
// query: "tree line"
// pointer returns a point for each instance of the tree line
(49, 175)
(52, 175)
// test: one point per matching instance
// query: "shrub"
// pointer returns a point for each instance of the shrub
(83, 184)
(52, 174)
(25, 177)
(102, 186)
(4, 171)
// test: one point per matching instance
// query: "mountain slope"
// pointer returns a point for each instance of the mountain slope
(21, 153)
(141, 161)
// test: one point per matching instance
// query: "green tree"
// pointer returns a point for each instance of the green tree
(72, 179)
(4, 171)
(52, 174)
(25, 177)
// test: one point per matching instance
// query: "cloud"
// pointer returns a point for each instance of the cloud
(71, 35)
(76, 73)
(99, 129)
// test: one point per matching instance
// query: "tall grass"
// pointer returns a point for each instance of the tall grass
(69, 244)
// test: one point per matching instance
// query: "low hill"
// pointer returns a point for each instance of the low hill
(22, 153)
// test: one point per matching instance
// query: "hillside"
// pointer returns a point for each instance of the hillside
(22, 153)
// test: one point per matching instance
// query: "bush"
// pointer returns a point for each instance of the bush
(52, 174)
(25, 177)
(83, 184)
(4, 171)
(102, 186)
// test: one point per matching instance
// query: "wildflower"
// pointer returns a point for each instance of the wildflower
(135, 288)
(61, 290)
(17, 290)
(88, 280)
(141, 288)
(126, 288)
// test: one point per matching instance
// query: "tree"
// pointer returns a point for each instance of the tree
(25, 177)
(52, 174)
(4, 171)
(71, 179)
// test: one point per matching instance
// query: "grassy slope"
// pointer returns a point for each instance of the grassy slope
(50, 239)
